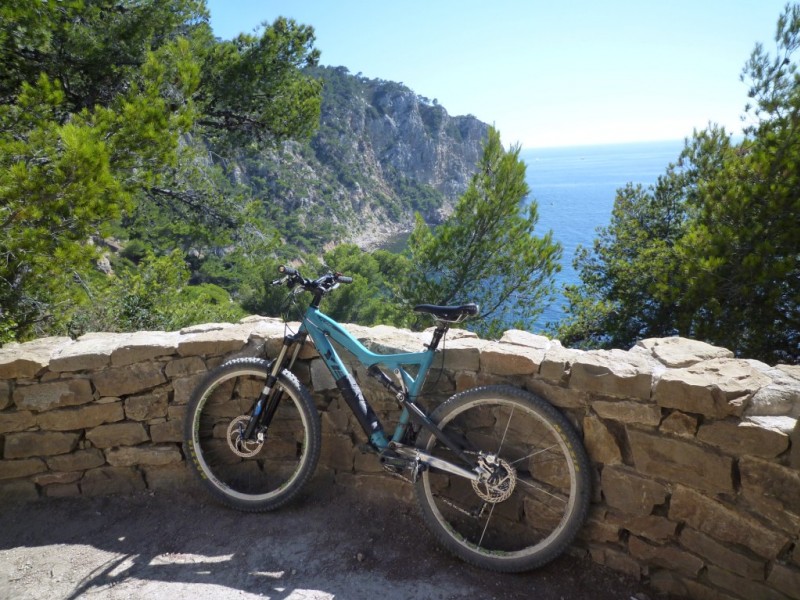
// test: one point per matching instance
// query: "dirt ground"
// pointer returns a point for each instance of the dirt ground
(327, 544)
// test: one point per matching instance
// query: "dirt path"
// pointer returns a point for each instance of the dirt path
(327, 544)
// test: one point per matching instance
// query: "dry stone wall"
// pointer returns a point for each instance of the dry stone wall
(696, 454)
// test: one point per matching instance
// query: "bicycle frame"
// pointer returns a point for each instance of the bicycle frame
(320, 328)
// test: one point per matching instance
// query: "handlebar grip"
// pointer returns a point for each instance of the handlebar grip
(287, 270)
(343, 279)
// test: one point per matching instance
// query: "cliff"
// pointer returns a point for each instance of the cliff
(381, 154)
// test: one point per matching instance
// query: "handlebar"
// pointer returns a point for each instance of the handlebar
(322, 285)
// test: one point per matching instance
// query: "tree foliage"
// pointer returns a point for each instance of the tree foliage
(111, 114)
(712, 251)
(486, 251)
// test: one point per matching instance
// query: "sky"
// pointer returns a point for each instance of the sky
(545, 73)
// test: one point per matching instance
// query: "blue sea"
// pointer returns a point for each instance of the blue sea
(575, 189)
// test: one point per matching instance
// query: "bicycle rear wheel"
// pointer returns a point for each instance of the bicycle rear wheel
(537, 500)
(251, 475)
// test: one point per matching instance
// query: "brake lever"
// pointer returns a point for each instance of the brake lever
(280, 281)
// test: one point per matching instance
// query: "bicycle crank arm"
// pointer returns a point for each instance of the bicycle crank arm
(431, 461)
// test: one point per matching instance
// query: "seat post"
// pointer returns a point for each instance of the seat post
(438, 334)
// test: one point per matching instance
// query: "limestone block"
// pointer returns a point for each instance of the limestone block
(600, 443)
(794, 456)
(143, 455)
(12, 469)
(678, 423)
(639, 413)
(678, 352)
(785, 579)
(39, 443)
(143, 346)
(742, 439)
(167, 477)
(616, 560)
(82, 417)
(122, 381)
(212, 339)
(612, 373)
(170, 430)
(784, 425)
(721, 555)
(724, 524)
(557, 363)
(462, 354)
(321, 378)
(183, 367)
(147, 406)
(5, 395)
(16, 421)
(55, 394)
(23, 361)
(684, 462)
(781, 398)
(668, 557)
(90, 352)
(555, 394)
(651, 527)
(17, 491)
(111, 480)
(117, 434)
(710, 388)
(507, 359)
(629, 492)
(80, 460)
(741, 587)
(773, 489)
(59, 478)
(184, 387)
(337, 452)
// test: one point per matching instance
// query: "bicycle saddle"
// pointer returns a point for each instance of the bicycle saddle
(450, 314)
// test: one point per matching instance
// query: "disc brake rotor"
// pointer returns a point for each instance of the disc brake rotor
(238, 445)
(500, 483)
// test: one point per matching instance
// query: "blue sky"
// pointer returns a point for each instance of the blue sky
(544, 72)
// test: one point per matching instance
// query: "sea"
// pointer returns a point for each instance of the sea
(575, 187)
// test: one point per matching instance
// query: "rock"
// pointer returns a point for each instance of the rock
(83, 417)
(724, 524)
(678, 352)
(5, 395)
(132, 379)
(90, 352)
(600, 443)
(147, 406)
(741, 587)
(143, 346)
(681, 424)
(23, 361)
(629, 492)
(612, 373)
(213, 340)
(506, 359)
(39, 443)
(12, 469)
(668, 557)
(55, 394)
(640, 413)
(772, 488)
(742, 438)
(79, 460)
(785, 579)
(679, 461)
(143, 455)
(721, 555)
(710, 388)
(117, 434)
(111, 480)
(16, 421)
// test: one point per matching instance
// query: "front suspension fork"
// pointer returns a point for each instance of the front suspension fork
(267, 403)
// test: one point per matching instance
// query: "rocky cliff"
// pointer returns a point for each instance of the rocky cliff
(381, 154)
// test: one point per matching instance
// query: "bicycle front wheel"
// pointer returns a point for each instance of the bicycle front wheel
(531, 508)
(252, 475)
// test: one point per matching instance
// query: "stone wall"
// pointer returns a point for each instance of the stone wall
(696, 454)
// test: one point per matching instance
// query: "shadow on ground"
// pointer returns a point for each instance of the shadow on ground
(328, 544)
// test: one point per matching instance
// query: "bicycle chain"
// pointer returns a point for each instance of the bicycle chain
(443, 499)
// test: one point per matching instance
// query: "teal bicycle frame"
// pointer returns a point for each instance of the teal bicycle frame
(322, 329)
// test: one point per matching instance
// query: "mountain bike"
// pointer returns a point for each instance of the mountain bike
(500, 475)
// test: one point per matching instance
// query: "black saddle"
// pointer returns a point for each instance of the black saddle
(449, 314)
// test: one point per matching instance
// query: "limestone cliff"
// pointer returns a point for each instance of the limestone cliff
(381, 154)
